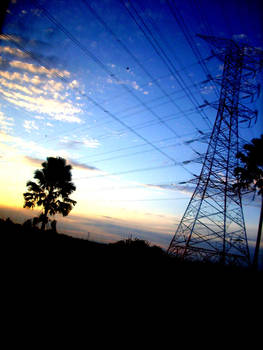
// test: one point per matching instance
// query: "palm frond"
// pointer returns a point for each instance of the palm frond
(52, 188)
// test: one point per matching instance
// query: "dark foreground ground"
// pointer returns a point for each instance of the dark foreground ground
(28, 249)
(45, 274)
(121, 291)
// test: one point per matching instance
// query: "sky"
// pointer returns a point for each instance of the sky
(115, 87)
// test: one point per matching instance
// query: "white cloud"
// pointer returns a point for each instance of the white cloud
(13, 51)
(36, 89)
(135, 85)
(76, 142)
(112, 65)
(6, 123)
(90, 143)
(15, 76)
(39, 117)
(30, 125)
(74, 84)
(18, 144)
(13, 86)
(58, 110)
(32, 68)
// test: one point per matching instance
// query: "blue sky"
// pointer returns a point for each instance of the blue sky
(115, 87)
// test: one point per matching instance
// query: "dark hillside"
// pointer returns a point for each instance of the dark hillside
(30, 256)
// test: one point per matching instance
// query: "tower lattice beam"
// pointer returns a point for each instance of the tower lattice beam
(213, 227)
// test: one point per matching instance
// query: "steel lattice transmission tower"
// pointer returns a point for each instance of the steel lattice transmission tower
(212, 227)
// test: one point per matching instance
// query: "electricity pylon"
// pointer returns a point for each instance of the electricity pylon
(212, 227)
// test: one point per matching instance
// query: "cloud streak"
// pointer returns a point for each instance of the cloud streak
(6, 123)
(187, 189)
(82, 166)
(133, 84)
(30, 125)
(58, 110)
(80, 141)
(13, 51)
(32, 68)
(34, 88)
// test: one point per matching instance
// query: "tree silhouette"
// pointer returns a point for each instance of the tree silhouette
(250, 177)
(51, 190)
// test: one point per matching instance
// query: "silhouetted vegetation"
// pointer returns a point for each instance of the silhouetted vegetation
(250, 177)
(43, 254)
(50, 191)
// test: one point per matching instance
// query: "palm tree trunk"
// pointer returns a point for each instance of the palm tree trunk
(255, 259)
(44, 219)
(43, 225)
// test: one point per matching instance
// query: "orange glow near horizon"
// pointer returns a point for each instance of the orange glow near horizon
(92, 198)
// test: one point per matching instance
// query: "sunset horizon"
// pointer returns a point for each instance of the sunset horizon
(127, 92)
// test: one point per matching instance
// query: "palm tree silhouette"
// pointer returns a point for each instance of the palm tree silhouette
(250, 177)
(51, 190)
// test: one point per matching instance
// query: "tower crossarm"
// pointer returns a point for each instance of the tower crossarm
(253, 55)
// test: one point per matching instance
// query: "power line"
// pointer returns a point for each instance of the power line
(101, 64)
(128, 51)
(198, 6)
(163, 56)
(182, 164)
(166, 76)
(143, 144)
(133, 154)
(174, 186)
(90, 98)
(188, 92)
(113, 116)
(98, 105)
(180, 21)
(154, 43)
(95, 59)
(125, 116)
(141, 200)
(98, 61)
(108, 120)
